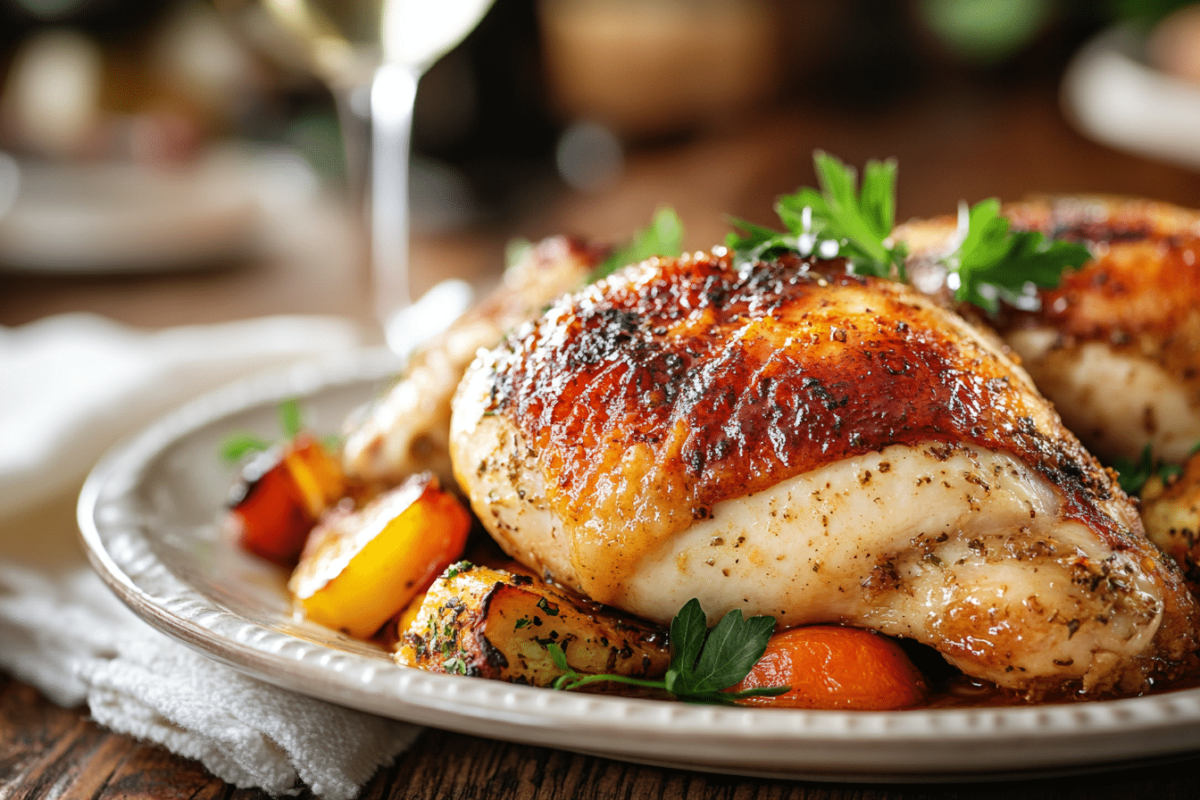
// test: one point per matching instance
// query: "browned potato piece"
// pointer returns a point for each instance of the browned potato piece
(1171, 514)
(494, 624)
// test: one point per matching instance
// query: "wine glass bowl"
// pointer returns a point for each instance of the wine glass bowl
(377, 49)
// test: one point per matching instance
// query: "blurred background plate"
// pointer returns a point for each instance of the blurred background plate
(121, 217)
(1113, 93)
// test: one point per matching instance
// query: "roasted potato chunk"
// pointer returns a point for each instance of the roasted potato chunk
(1171, 514)
(494, 624)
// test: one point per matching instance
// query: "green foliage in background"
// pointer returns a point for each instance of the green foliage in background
(986, 31)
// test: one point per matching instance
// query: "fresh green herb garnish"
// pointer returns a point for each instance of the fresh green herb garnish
(458, 568)
(703, 662)
(1133, 475)
(238, 446)
(989, 264)
(993, 264)
(291, 418)
(837, 220)
(663, 237)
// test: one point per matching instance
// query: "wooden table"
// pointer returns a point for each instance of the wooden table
(51, 752)
(950, 145)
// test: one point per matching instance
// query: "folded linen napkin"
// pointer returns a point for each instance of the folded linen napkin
(76, 642)
(71, 386)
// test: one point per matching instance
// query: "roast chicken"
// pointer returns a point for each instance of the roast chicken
(1116, 346)
(790, 439)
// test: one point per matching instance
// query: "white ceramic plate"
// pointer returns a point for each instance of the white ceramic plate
(150, 516)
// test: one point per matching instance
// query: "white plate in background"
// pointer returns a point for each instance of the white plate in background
(1114, 96)
(150, 515)
(110, 218)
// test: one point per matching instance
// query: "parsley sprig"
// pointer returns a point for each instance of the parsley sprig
(992, 263)
(838, 220)
(703, 662)
(987, 264)
(662, 237)
(1133, 475)
(239, 445)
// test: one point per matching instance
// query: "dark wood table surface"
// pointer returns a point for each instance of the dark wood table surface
(951, 145)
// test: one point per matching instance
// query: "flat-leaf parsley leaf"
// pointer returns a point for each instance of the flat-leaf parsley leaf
(1133, 475)
(703, 663)
(838, 220)
(986, 264)
(239, 445)
(993, 263)
(662, 237)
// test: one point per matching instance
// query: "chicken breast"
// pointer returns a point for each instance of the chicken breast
(1116, 346)
(792, 440)
(406, 430)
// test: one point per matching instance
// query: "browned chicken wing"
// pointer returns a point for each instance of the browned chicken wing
(405, 431)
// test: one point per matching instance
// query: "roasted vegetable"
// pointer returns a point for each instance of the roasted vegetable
(1171, 514)
(494, 624)
(831, 667)
(705, 664)
(281, 494)
(361, 568)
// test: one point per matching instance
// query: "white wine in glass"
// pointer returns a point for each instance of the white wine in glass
(380, 46)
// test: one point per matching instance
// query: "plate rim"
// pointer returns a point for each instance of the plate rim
(922, 744)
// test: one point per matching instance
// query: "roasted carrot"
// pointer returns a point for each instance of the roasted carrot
(281, 495)
(832, 667)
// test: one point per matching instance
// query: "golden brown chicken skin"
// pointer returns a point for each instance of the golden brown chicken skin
(1116, 346)
(794, 440)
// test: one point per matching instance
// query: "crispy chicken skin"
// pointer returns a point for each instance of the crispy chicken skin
(795, 441)
(405, 431)
(1116, 347)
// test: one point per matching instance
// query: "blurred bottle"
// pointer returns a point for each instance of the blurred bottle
(646, 68)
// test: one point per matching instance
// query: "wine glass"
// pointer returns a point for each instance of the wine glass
(372, 53)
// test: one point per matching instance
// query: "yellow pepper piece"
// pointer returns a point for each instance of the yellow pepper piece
(317, 476)
(362, 568)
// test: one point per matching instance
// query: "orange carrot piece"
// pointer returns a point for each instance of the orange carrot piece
(831, 667)
(282, 495)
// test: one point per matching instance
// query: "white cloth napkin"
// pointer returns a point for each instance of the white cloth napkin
(69, 387)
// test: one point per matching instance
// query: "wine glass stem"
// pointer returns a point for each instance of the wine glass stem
(354, 119)
(393, 92)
